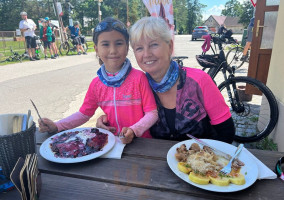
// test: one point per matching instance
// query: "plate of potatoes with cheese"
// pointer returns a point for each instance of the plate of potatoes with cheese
(200, 166)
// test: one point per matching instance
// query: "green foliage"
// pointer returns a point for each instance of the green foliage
(187, 15)
(247, 13)
(265, 144)
(233, 8)
(194, 14)
(10, 12)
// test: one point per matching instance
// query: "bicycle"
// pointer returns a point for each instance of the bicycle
(69, 45)
(14, 57)
(179, 59)
(252, 105)
(39, 47)
(234, 56)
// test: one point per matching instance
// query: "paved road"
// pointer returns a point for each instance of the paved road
(58, 86)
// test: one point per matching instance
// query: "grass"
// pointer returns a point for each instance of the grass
(265, 144)
(254, 119)
(19, 47)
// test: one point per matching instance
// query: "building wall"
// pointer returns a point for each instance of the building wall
(212, 24)
(236, 29)
(275, 80)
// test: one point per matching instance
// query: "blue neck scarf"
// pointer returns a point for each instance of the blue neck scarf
(168, 80)
(118, 79)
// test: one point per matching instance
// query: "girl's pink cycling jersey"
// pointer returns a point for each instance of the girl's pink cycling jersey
(124, 105)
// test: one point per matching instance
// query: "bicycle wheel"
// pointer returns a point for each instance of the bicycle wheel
(85, 46)
(233, 57)
(64, 48)
(255, 115)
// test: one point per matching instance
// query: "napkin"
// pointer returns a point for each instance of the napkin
(116, 151)
(263, 171)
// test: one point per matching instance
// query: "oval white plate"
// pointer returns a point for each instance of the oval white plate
(47, 153)
(250, 170)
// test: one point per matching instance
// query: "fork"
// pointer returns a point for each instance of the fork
(121, 135)
(228, 168)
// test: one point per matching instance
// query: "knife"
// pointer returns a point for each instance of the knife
(38, 113)
(221, 153)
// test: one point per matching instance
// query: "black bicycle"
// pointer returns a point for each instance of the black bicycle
(253, 106)
(15, 56)
(70, 45)
(179, 59)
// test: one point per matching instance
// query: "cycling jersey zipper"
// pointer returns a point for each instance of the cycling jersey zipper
(115, 111)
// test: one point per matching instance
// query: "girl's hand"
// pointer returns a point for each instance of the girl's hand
(128, 135)
(46, 125)
(102, 122)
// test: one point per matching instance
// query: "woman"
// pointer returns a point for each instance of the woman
(187, 99)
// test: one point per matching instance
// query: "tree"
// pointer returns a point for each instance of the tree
(10, 12)
(180, 14)
(233, 8)
(187, 15)
(194, 17)
(247, 13)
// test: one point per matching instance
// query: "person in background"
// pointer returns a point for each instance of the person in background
(75, 35)
(28, 27)
(222, 29)
(45, 36)
(53, 42)
(249, 39)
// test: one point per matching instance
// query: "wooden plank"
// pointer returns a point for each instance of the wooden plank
(87, 189)
(65, 188)
(151, 174)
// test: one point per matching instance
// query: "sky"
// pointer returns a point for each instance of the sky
(214, 7)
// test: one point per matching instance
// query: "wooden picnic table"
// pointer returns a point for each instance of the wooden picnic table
(142, 173)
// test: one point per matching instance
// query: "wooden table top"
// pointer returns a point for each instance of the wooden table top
(142, 173)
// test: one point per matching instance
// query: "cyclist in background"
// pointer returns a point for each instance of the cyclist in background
(28, 27)
(45, 36)
(222, 29)
(75, 35)
(53, 43)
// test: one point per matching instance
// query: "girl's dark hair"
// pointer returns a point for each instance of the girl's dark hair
(110, 24)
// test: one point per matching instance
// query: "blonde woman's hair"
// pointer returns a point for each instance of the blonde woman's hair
(152, 27)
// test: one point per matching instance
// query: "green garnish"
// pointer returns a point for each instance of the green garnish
(187, 165)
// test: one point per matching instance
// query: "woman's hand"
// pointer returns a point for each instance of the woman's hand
(102, 122)
(128, 135)
(46, 125)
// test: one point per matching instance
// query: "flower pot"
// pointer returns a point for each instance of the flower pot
(243, 95)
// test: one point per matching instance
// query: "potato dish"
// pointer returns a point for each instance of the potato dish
(203, 166)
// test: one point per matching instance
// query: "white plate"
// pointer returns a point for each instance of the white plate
(250, 170)
(47, 153)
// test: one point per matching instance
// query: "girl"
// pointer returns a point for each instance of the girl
(121, 91)
(45, 36)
